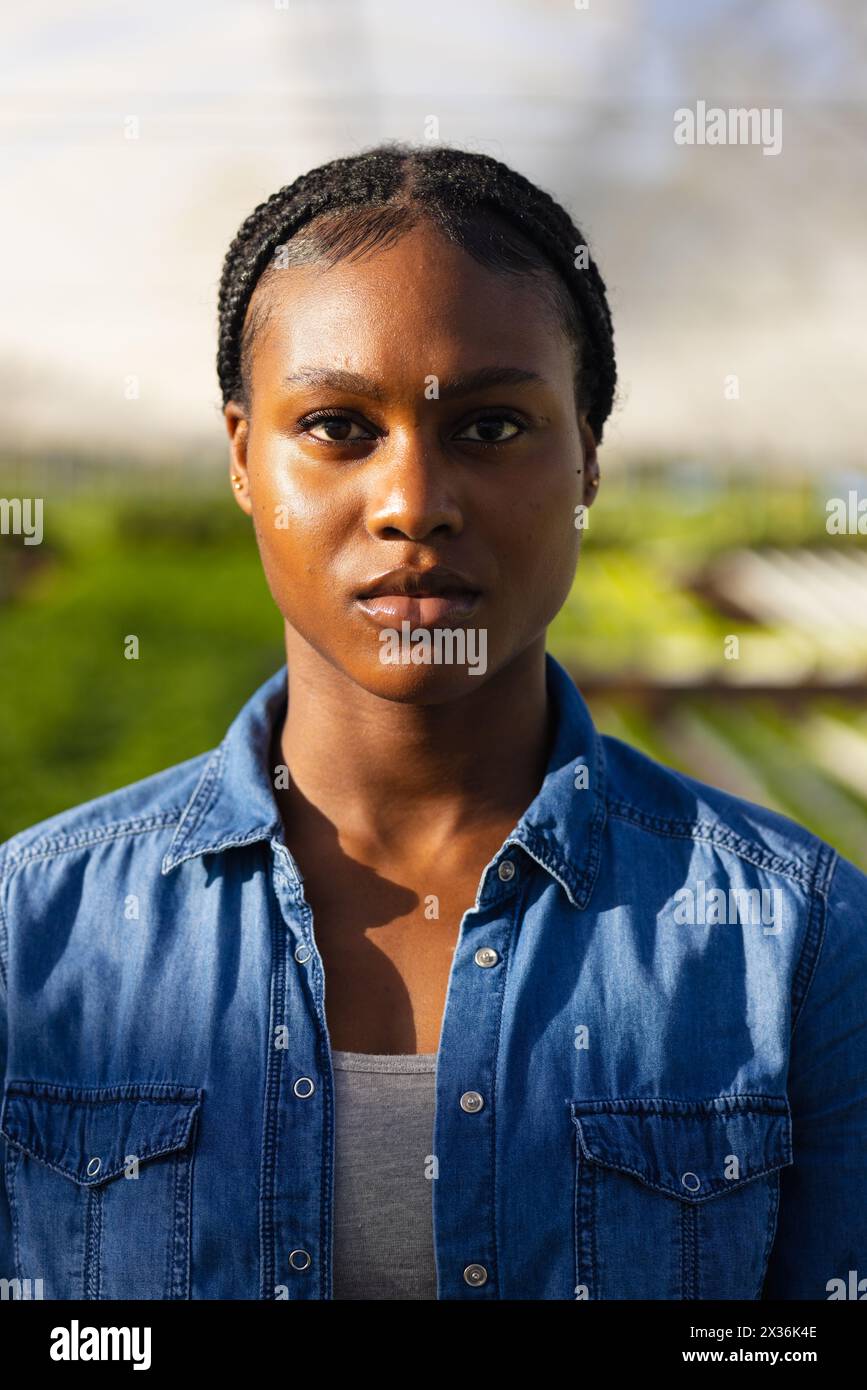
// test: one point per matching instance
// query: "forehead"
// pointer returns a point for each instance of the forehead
(420, 306)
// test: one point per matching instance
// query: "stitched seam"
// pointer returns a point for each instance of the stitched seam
(692, 1107)
(576, 1218)
(102, 1095)
(700, 1107)
(13, 1159)
(208, 786)
(4, 934)
(690, 1200)
(708, 833)
(689, 1251)
(230, 842)
(169, 1262)
(328, 1126)
(47, 849)
(668, 1191)
(271, 1102)
(187, 1224)
(773, 1211)
(585, 1265)
(598, 821)
(517, 905)
(580, 880)
(177, 1247)
(596, 1273)
(819, 909)
(92, 1215)
(171, 1147)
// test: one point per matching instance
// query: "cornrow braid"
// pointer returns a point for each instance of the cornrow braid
(495, 213)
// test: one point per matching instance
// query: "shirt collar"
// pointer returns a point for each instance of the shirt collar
(234, 804)
(562, 827)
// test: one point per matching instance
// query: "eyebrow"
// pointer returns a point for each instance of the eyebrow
(449, 388)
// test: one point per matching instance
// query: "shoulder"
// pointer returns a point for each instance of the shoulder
(664, 803)
(44, 869)
(690, 836)
(151, 804)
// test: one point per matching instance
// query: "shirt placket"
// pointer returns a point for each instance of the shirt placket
(298, 1137)
(465, 1237)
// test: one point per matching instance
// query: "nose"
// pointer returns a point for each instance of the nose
(413, 489)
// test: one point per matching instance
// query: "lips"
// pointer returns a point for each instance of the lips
(391, 609)
(424, 598)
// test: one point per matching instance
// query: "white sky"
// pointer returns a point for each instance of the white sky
(719, 260)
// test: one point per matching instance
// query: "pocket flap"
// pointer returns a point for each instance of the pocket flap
(89, 1133)
(689, 1149)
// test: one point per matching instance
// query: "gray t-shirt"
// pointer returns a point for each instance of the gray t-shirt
(383, 1188)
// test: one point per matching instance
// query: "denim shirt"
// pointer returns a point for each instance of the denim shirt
(652, 1074)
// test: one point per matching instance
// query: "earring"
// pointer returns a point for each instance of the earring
(237, 481)
(594, 482)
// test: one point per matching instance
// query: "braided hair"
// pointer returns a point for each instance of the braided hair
(350, 206)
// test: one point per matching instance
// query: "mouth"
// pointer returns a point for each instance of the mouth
(423, 598)
(390, 609)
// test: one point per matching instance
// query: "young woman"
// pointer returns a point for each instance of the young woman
(417, 987)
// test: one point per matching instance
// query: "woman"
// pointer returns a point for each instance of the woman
(417, 987)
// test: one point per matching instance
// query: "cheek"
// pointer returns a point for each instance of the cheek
(546, 541)
(295, 519)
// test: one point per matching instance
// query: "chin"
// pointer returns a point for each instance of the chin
(418, 684)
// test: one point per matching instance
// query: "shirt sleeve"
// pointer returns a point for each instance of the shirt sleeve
(822, 1221)
(7, 1254)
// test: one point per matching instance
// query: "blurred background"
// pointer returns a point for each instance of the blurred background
(718, 618)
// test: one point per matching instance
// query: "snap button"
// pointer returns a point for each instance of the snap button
(472, 1102)
(691, 1182)
(300, 1259)
(92, 1171)
(486, 956)
(506, 870)
(475, 1275)
(303, 954)
(301, 1087)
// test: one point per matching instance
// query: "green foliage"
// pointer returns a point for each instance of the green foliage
(76, 718)
(182, 574)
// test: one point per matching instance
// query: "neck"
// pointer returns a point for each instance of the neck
(389, 774)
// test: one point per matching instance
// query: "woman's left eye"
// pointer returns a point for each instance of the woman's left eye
(339, 429)
(490, 430)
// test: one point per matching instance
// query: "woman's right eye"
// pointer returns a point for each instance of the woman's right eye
(337, 429)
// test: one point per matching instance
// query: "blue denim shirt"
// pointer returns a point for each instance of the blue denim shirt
(652, 1073)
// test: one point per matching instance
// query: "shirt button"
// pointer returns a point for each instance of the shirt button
(303, 954)
(506, 870)
(475, 1275)
(485, 956)
(303, 1087)
(300, 1260)
(471, 1101)
(691, 1182)
(93, 1167)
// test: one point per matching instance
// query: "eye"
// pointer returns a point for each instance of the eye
(334, 429)
(490, 429)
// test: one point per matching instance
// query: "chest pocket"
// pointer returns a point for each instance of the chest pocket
(100, 1183)
(677, 1199)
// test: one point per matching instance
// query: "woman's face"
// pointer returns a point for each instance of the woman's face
(418, 457)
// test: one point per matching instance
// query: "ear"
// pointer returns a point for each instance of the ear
(238, 429)
(590, 468)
